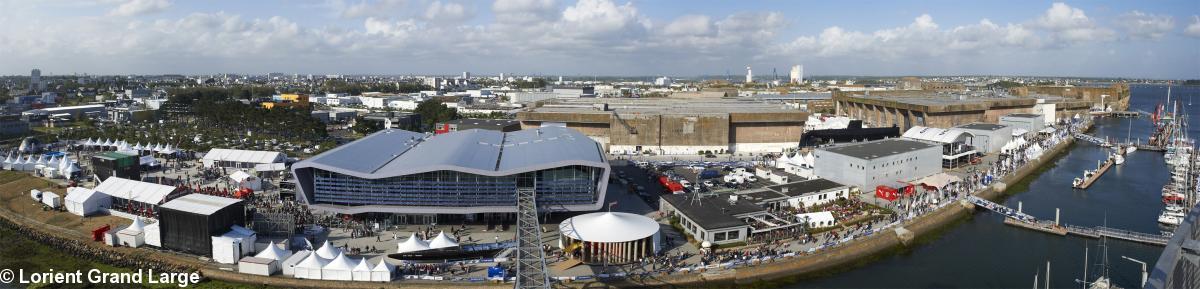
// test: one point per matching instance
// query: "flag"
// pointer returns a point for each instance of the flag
(611, 205)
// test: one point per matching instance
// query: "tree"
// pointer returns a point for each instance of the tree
(364, 127)
(433, 112)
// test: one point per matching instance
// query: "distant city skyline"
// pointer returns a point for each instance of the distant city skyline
(1158, 39)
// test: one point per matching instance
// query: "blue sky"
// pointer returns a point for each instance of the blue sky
(1154, 39)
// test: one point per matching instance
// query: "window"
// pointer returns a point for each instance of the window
(733, 235)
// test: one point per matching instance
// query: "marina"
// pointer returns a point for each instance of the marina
(1125, 202)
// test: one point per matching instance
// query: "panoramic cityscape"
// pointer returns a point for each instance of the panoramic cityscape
(599, 144)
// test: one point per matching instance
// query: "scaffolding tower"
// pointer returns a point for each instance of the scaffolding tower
(531, 261)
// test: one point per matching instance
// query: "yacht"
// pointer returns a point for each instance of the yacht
(1169, 219)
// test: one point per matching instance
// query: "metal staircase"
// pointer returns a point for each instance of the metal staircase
(530, 261)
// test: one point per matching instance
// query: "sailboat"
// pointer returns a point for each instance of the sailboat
(1103, 281)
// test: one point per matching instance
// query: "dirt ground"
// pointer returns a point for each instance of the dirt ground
(14, 192)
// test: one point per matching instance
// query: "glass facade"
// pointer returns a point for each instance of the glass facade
(569, 185)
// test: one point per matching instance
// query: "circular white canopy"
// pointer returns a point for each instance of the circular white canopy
(608, 227)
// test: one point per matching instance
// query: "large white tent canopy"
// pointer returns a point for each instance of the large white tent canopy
(143, 192)
(938, 135)
(608, 227)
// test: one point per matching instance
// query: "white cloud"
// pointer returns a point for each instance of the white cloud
(1070, 24)
(1193, 29)
(689, 25)
(139, 7)
(524, 11)
(1145, 26)
(447, 13)
(540, 36)
(365, 8)
(592, 18)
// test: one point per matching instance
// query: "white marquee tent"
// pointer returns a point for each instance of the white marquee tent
(362, 271)
(413, 244)
(274, 252)
(310, 268)
(84, 202)
(442, 241)
(328, 251)
(133, 236)
(340, 268)
(382, 272)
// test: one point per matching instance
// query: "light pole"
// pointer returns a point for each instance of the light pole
(1143, 268)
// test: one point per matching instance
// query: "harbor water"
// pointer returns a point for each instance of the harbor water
(982, 252)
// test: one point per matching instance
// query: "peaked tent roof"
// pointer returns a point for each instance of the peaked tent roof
(339, 263)
(313, 262)
(273, 252)
(383, 266)
(442, 241)
(328, 251)
(362, 266)
(413, 244)
(609, 227)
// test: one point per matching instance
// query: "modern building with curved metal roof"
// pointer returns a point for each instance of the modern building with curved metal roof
(464, 172)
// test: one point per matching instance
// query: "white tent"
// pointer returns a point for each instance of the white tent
(274, 252)
(8, 161)
(817, 219)
(288, 266)
(413, 244)
(442, 241)
(328, 251)
(245, 180)
(382, 272)
(133, 236)
(310, 268)
(340, 268)
(52, 200)
(152, 234)
(362, 271)
(83, 201)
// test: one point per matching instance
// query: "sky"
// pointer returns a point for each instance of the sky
(1139, 39)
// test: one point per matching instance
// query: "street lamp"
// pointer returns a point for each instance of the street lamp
(1143, 268)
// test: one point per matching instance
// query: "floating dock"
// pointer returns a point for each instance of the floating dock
(1043, 226)
(1016, 218)
(1096, 175)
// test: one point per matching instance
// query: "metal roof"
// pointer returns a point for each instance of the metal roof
(880, 148)
(244, 156)
(396, 152)
(134, 190)
(938, 135)
(200, 204)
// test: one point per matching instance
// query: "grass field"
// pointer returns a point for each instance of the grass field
(21, 253)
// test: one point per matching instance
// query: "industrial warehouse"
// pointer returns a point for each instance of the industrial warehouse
(675, 126)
